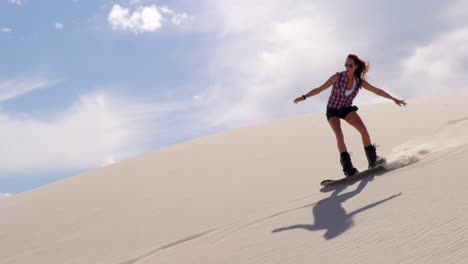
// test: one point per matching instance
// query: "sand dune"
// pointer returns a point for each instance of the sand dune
(253, 195)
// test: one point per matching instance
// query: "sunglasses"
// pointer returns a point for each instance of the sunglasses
(348, 65)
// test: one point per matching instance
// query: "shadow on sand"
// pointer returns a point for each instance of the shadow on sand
(329, 213)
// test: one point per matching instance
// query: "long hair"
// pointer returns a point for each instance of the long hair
(362, 67)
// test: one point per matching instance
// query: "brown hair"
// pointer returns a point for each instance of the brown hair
(362, 67)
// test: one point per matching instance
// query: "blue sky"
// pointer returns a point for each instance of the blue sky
(88, 83)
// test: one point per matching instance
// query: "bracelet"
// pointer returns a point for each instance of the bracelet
(304, 97)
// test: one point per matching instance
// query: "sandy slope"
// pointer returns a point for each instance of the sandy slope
(252, 195)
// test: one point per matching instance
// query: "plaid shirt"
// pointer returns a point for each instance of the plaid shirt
(338, 98)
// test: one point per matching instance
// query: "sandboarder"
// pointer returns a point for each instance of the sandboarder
(346, 86)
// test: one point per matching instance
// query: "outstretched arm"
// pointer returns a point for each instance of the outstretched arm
(382, 93)
(318, 90)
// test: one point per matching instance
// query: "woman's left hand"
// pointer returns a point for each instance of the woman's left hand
(399, 102)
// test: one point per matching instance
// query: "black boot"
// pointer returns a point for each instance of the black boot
(371, 154)
(348, 167)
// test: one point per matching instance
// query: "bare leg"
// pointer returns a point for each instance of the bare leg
(354, 120)
(336, 126)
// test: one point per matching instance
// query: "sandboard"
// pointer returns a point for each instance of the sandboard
(378, 168)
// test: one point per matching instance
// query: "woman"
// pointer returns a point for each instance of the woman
(346, 86)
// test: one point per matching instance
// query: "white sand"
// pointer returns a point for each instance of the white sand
(252, 195)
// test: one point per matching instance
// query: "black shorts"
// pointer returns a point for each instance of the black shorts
(340, 113)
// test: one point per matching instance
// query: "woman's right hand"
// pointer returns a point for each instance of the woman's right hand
(297, 100)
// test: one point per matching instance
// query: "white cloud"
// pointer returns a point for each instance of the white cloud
(166, 10)
(6, 30)
(267, 53)
(438, 67)
(143, 18)
(97, 130)
(58, 25)
(17, 2)
(4, 195)
(178, 19)
(108, 161)
(135, 2)
(12, 88)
